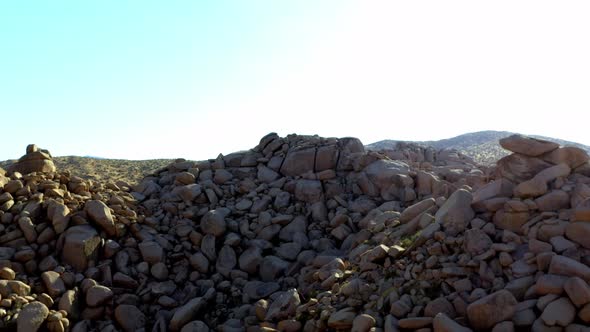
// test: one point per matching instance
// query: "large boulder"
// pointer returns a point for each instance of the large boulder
(100, 213)
(579, 232)
(456, 212)
(31, 317)
(299, 161)
(81, 244)
(527, 146)
(492, 309)
(569, 155)
(519, 168)
(35, 160)
(308, 190)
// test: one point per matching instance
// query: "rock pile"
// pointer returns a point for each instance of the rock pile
(35, 160)
(303, 233)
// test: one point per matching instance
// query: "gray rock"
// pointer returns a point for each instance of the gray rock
(130, 318)
(187, 312)
(258, 289)
(272, 267)
(283, 306)
(81, 245)
(443, 323)
(456, 212)
(151, 252)
(213, 222)
(560, 312)
(527, 146)
(101, 214)
(492, 309)
(476, 242)
(98, 295)
(310, 191)
(31, 317)
(53, 283)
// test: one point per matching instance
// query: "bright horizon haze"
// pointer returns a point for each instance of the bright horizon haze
(192, 79)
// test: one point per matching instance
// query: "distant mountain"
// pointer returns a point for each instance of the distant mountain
(482, 146)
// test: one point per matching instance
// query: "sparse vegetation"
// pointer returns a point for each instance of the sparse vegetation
(105, 170)
(482, 146)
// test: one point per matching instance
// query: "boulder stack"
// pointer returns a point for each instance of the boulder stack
(304, 233)
(35, 160)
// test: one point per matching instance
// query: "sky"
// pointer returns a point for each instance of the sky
(192, 79)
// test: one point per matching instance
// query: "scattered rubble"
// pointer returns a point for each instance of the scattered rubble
(302, 233)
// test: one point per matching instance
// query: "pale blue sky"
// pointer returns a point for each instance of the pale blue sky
(166, 79)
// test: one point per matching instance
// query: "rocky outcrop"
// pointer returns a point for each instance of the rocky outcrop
(303, 233)
(35, 160)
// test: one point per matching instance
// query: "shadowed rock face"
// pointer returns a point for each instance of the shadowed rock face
(302, 233)
(35, 160)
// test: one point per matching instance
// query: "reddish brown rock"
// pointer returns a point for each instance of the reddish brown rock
(555, 200)
(582, 211)
(35, 160)
(579, 232)
(81, 245)
(299, 161)
(569, 155)
(456, 212)
(527, 146)
(492, 309)
(565, 266)
(519, 168)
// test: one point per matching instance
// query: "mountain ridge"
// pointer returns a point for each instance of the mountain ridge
(482, 146)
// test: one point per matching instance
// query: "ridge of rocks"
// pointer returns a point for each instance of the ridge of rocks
(302, 233)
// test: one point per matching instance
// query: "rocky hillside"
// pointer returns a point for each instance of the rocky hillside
(100, 169)
(482, 146)
(302, 233)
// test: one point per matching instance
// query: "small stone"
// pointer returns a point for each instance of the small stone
(578, 291)
(504, 327)
(568, 267)
(439, 305)
(258, 289)
(8, 287)
(363, 323)
(213, 222)
(584, 313)
(130, 318)
(195, 326)
(443, 323)
(524, 317)
(70, 304)
(579, 232)
(159, 271)
(476, 242)
(456, 212)
(284, 305)
(492, 309)
(7, 273)
(560, 312)
(98, 295)
(53, 283)
(289, 325)
(415, 322)
(151, 252)
(187, 312)
(342, 319)
(80, 246)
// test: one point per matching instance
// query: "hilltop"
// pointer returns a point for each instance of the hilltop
(482, 146)
(102, 169)
(302, 233)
